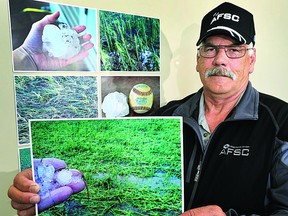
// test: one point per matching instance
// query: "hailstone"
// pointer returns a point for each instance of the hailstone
(115, 105)
(50, 179)
(60, 41)
(63, 177)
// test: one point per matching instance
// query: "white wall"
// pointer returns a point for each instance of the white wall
(180, 22)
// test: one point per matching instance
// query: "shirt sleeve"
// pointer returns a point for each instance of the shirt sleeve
(23, 60)
(279, 180)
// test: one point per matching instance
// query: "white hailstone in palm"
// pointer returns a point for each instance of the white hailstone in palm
(44, 177)
(115, 105)
(50, 179)
(63, 177)
(45, 172)
(60, 41)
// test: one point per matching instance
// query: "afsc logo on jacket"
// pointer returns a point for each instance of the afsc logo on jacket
(235, 150)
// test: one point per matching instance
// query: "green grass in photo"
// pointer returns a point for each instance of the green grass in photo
(25, 158)
(132, 166)
(53, 97)
(129, 42)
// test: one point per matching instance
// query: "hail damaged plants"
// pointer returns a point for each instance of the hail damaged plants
(129, 42)
(131, 166)
(53, 97)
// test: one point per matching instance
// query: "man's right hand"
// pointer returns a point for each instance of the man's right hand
(23, 193)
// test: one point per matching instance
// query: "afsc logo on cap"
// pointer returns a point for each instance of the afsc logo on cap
(230, 20)
(227, 16)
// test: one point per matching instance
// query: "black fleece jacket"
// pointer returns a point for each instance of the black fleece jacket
(245, 165)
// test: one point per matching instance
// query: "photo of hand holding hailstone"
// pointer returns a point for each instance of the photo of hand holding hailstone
(57, 182)
(52, 45)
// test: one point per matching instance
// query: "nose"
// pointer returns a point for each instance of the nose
(220, 58)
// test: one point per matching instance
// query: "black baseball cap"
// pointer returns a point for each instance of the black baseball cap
(231, 20)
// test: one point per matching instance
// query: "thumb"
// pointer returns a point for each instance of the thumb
(24, 181)
(48, 19)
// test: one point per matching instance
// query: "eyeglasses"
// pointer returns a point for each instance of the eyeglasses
(232, 51)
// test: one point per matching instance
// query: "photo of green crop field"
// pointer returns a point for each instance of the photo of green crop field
(132, 166)
(129, 42)
(53, 97)
(24, 158)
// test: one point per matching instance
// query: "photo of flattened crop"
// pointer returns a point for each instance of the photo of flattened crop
(131, 166)
(53, 97)
(129, 42)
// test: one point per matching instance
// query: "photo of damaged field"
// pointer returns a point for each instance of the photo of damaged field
(132, 166)
(129, 42)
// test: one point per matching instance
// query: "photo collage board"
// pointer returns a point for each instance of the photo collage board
(78, 70)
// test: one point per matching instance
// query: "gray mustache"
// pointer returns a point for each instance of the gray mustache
(220, 72)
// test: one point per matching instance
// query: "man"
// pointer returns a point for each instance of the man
(235, 138)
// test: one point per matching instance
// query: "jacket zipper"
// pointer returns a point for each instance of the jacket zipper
(196, 178)
(192, 123)
(199, 167)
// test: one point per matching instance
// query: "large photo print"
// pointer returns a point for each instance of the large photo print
(124, 166)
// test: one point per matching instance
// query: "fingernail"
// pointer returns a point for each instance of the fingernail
(34, 188)
(35, 199)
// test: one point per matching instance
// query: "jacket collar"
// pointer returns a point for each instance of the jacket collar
(247, 108)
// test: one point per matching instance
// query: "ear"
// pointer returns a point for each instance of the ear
(252, 61)
(197, 59)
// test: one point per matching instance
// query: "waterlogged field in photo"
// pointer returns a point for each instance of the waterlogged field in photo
(129, 42)
(132, 166)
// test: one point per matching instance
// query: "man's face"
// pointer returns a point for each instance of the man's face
(220, 84)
